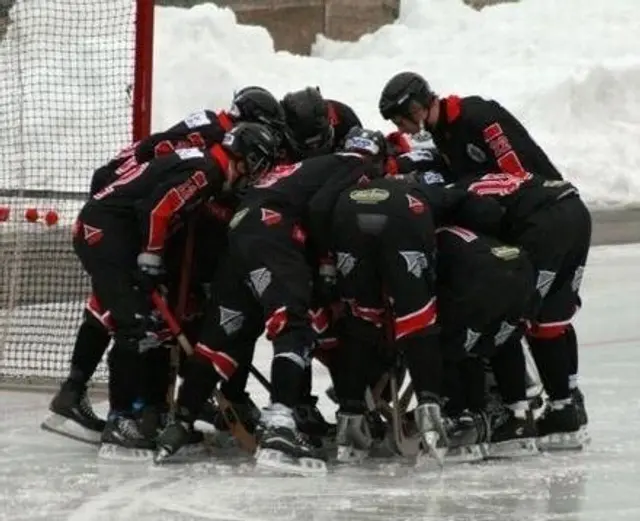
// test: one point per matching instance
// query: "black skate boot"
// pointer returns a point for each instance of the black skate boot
(512, 435)
(468, 434)
(176, 436)
(282, 448)
(559, 429)
(310, 421)
(72, 415)
(431, 429)
(353, 438)
(122, 439)
(578, 400)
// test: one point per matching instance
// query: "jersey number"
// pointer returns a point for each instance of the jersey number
(498, 184)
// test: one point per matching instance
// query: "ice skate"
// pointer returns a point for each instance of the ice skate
(513, 435)
(153, 421)
(468, 437)
(578, 400)
(174, 438)
(122, 440)
(310, 421)
(72, 415)
(353, 438)
(432, 432)
(246, 409)
(284, 449)
(560, 429)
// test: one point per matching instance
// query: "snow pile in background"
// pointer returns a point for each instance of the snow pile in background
(570, 70)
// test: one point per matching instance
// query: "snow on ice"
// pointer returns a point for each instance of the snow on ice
(570, 70)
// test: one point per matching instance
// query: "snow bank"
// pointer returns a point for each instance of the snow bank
(570, 70)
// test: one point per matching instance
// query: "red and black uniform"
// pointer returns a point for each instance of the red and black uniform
(200, 130)
(484, 289)
(550, 222)
(478, 136)
(384, 242)
(266, 282)
(137, 213)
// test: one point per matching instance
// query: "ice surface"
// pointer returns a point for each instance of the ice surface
(45, 477)
(570, 70)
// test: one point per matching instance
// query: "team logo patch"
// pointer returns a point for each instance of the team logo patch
(471, 340)
(476, 153)
(369, 195)
(260, 280)
(416, 262)
(415, 205)
(230, 320)
(92, 235)
(270, 217)
(237, 217)
(506, 253)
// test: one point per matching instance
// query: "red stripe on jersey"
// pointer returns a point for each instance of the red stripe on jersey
(224, 365)
(549, 330)
(463, 233)
(221, 157)
(416, 321)
(160, 217)
(332, 115)
(225, 121)
(453, 107)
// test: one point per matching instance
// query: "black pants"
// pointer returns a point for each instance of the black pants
(485, 290)
(264, 284)
(557, 240)
(385, 251)
(107, 247)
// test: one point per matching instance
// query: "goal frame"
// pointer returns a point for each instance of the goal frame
(140, 128)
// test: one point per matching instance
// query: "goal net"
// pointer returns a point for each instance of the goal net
(69, 81)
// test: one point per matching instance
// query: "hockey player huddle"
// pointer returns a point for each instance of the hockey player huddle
(386, 263)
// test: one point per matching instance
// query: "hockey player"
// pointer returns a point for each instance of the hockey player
(127, 223)
(315, 125)
(201, 129)
(551, 223)
(384, 241)
(484, 290)
(267, 284)
(476, 136)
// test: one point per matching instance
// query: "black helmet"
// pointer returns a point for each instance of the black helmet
(254, 144)
(309, 131)
(364, 141)
(400, 91)
(258, 105)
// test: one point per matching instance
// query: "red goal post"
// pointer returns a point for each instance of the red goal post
(75, 87)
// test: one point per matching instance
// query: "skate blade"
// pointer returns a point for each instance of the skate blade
(112, 452)
(565, 440)
(432, 459)
(520, 448)
(350, 455)
(70, 429)
(466, 454)
(277, 462)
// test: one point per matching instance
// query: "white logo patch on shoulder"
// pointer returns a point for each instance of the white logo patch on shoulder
(197, 119)
(189, 153)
